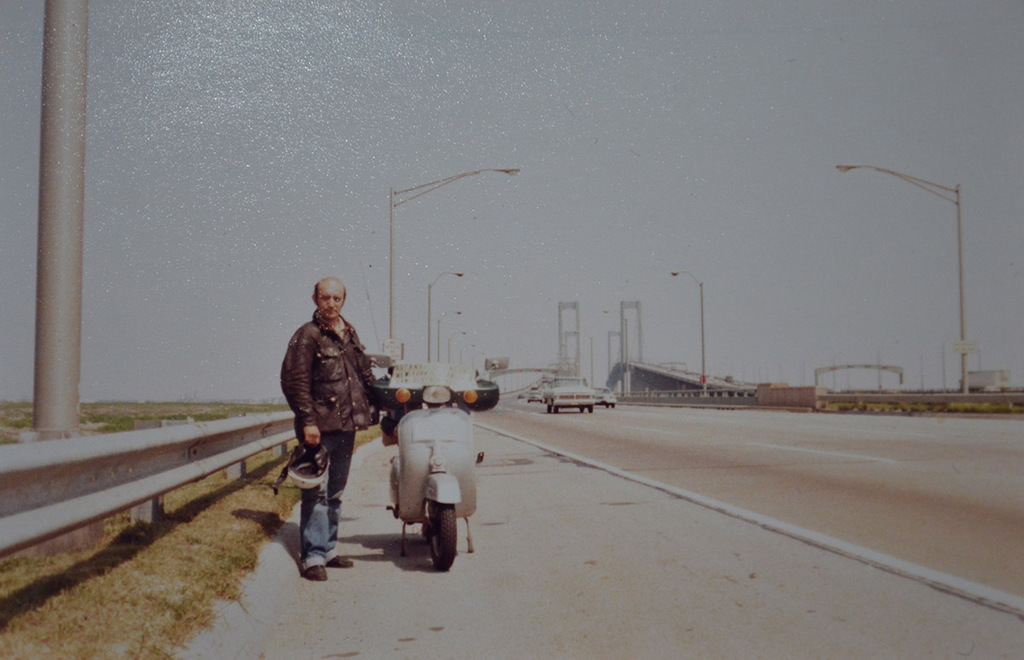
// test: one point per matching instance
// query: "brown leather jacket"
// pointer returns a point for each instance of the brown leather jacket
(326, 379)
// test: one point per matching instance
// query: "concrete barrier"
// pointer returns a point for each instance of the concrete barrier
(781, 395)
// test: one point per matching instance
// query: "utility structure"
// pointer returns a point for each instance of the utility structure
(951, 195)
(396, 199)
(430, 314)
(821, 371)
(703, 354)
(572, 367)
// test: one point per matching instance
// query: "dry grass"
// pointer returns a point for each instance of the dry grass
(146, 589)
(112, 417)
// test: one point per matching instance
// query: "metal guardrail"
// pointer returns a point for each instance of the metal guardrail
(718, 398)
(52, 487)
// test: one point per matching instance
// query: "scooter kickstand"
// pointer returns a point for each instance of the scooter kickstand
(469, 536)
(403, 539)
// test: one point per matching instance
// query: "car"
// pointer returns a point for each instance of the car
(534, 395)
(569, 392)
(604, 397)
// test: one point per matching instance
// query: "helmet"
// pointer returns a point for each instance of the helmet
(308, 466)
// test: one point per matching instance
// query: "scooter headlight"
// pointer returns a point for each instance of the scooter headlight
(436, 394)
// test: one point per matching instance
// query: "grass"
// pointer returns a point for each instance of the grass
(113, 417)
(146, 589)
(929, 408)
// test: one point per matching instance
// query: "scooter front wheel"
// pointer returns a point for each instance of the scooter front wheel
(444, 533)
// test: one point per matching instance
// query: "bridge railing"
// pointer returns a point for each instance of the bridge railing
(52, 487)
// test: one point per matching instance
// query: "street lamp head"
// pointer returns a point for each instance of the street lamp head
(676, 273)
(458, 274)
(511, 171)
(847, 168)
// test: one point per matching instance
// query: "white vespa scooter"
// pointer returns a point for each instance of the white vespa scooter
(433, 477)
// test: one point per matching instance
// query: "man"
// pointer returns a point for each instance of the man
(326, 376)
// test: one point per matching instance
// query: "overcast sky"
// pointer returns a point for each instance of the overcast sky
(239, 151)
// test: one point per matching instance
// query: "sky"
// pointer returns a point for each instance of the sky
(238, 152)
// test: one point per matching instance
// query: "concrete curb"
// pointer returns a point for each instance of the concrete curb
(242, 626)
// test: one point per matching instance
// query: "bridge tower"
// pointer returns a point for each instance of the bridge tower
(624, 339)
(564, 362)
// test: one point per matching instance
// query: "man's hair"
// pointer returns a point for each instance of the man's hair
(316, 287)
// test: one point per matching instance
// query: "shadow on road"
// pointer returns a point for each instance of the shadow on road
(388, 548)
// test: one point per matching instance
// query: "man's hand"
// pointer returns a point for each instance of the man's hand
(311, 435)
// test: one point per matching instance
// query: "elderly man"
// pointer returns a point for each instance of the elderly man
(326, 376)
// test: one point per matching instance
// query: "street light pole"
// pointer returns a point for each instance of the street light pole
(438, 340)
(397, 200)
(457, 332)
(703, 364)
(943, 192)
(430, 316)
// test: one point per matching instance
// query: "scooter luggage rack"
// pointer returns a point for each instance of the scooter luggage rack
(414, 375)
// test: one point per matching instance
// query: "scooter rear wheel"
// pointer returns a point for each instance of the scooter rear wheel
(444, 534)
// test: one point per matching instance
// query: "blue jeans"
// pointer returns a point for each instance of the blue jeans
(321, 507)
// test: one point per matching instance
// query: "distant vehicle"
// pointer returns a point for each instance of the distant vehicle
(569, 392)
(534, 395)
(988, 381)
(604, 397)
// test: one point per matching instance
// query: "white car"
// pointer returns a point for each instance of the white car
(604, 397)
(569, 392)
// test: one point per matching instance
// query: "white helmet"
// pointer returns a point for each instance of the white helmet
(308, 466)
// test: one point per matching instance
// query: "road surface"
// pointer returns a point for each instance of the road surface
(574, 561)
(944, 492)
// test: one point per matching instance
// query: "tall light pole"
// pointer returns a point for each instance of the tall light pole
(58, 337)
(457, 332)
(430, 316)
(951, 195)
(397, 200)
(439, 319)
(703, 364)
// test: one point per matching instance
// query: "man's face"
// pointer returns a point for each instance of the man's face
(329, 299)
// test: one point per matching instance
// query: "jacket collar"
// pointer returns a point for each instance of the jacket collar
(326, 328)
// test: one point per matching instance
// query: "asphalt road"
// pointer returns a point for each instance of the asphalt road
(577, 561)
(943, 492)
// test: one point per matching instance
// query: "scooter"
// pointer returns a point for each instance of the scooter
(433, 477)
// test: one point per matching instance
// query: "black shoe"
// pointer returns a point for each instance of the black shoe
(340, 562)
(315, 573)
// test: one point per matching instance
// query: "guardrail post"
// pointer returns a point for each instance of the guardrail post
(149, 512)
(236, 471)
